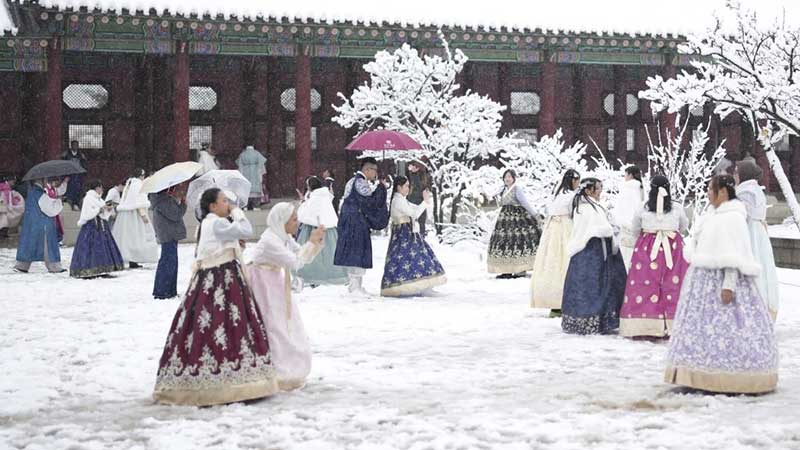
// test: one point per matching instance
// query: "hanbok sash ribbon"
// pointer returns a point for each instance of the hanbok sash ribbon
(662, 242)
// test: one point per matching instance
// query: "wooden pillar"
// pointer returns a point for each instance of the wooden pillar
(547, 115)
(248, 105)
(180, 103)
(52, 113)
(620, 114)
(577, 103)
(302, 126)
(794, 163)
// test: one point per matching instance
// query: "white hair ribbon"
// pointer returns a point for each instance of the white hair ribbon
(660, 200)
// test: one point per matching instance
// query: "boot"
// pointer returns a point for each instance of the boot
(354, 286)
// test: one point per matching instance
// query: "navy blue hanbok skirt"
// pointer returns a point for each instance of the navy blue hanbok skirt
(593, 289)
(96, 252)
(411, 266)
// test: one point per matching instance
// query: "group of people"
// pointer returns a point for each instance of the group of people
(715, 297)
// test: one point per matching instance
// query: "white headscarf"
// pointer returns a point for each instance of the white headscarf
(277, 218)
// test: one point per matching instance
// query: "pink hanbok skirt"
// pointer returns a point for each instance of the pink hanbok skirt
(288, 341)
(652, 289)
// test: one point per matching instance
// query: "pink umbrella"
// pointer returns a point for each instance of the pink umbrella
(383, 140)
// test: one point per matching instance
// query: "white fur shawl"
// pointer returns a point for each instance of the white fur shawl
(93, 205)
(628, 203)
(721, 240)
(318, 208)
(590, 221)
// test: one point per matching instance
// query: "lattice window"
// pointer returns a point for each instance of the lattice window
(697, 111)
(630, 139)
(610, 140)
(202, 98)
(88, 136)
(199, 135)
(85, 96)
(608, 104)
(291, 142)
(529, 135)
(525, 103)
(289, 99)
(631, 104)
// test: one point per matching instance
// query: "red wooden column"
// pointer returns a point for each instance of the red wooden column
(547, 115)
(180, 103)
(52, 112)
(620, 115)
(302, 117)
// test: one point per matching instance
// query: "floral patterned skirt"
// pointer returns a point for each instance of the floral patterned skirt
(411, 266)
(512, 247)
(217, 350)
(722, 348)
(653, 289)
(593, 289)
(550, 265)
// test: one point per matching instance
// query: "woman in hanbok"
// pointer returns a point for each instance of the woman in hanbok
(723, 339)
(658, 266)
(133, 229)
(512, 246)
(551, 262)
(752, 195)
(113, 197)
(627, 204)
(217, 349)
(315, 211)
(12, 206)
(38, 237)
(271, 263)
(96, 253)
(595, 281)
(411, 266)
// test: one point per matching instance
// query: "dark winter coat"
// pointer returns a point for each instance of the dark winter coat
(167, 217)
(359, 215)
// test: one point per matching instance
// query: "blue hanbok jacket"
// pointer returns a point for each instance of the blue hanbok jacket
(37, 228)
(359, 215)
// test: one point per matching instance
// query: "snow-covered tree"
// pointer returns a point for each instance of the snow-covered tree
(417, 94)
(688, 167)
(743, 68)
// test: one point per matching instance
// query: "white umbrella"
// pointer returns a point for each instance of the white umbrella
(169, 176)
(232, 182)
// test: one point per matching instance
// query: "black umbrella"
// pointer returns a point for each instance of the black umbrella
(53, 169)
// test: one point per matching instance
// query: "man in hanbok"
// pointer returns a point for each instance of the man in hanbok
(251, 164)
(206, 157)
(75, 186)
(363, 209)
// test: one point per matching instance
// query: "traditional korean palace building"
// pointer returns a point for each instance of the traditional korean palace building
(145, 88)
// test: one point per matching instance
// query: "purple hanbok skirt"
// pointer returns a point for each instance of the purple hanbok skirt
(722, 348)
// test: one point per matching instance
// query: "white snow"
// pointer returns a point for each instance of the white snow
(620, 16)
(474, 367)
(785, 231)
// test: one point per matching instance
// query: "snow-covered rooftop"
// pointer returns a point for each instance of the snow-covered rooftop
(657, 17)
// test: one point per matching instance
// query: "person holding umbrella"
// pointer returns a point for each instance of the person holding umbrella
(169, 207)
(38, 239)
(364, 209)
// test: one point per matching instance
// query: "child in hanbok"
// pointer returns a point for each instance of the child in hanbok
(411, 266)
(217, 349)
(627, 204)
(722, 339)
(271, 263)
(12, 206)
(551, 262)
(38, 240)
(133, 229)
(752, 195)
(658, 266)
(512, 246)
(595, 281)
(96, 253)
(317, 210)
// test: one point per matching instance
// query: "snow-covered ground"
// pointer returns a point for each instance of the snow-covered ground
(784, 230)
(474, 367)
